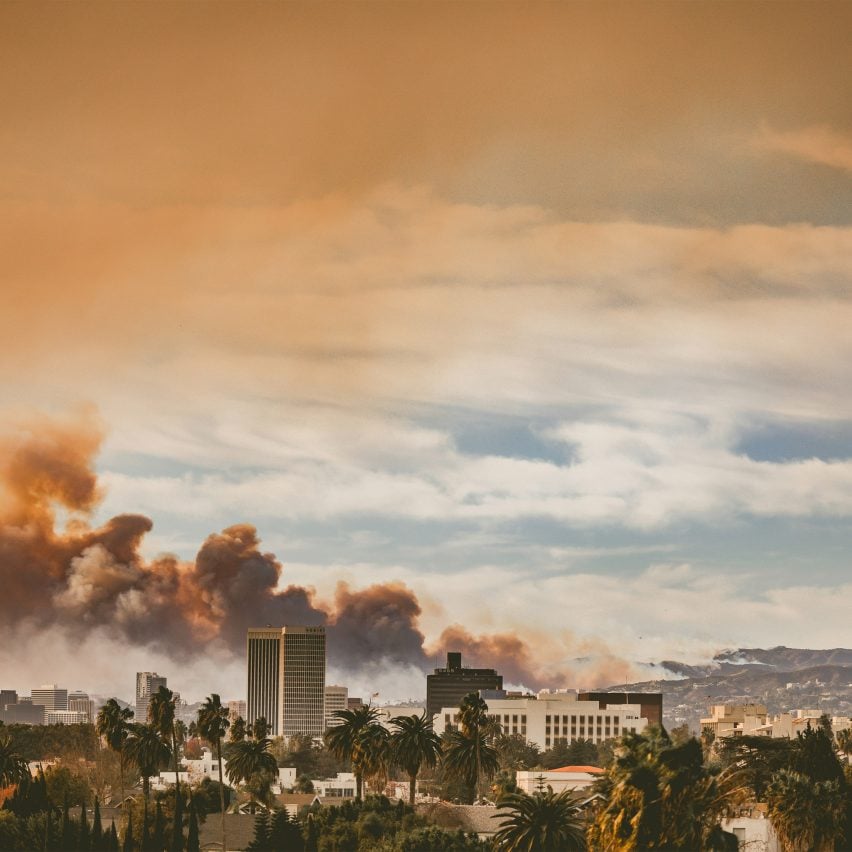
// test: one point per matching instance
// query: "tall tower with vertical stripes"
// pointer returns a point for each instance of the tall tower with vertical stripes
(286, 679)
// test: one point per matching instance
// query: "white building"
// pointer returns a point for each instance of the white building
(753, 830)
(565, 778)
(65, 717)
(735, 720)
(81, 703)
(342, 786)
(51, 697)
(550, 718)
(336, 698)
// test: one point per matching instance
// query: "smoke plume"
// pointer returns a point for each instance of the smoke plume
(84, 578)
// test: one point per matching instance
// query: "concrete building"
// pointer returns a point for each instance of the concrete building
(7, 696)
(24, 712)
(66, 717)
(51, 697)
(286, 679)
(147, 683)
(550, 718)
(447, 687)
(342, 786)
(565, 778)
(730, 720)
(650, 703)
(79, 702)
(336, 698)
(753, 829)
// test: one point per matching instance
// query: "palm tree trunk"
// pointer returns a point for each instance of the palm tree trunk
(145, 792)
(412, 787)
(221, 792)
(358, 785)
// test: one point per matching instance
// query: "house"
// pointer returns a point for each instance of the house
(564, 778)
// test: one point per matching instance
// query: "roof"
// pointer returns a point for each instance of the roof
(477, 818)
(590, 770)
(305, 799)
(239, 831)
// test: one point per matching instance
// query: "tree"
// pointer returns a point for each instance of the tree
(251, 760)
(752, 761)
(113, 725)
(260, 729)
(543, 822)
(844, 742)
(238, 730)
(161, 710)
(373, 754)
(97, 827)
(414, 744)
(129, 845)
(660, 796)
(807, 815)
(13, 767)
(192, 837)
(467, 753)
(467, 757)
(348, 740)
(148, 752)
(213, 726)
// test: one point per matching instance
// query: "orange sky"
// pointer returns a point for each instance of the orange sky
(308, 260)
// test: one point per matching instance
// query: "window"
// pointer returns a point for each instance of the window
(739, 833)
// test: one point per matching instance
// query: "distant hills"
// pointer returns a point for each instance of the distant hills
(782, 678)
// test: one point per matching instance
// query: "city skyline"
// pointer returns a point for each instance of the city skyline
(518, 330)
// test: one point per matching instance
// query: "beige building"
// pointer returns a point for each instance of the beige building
(549, 718)
(336, 698)
(286, 679)
(565, 778)
(730, 720)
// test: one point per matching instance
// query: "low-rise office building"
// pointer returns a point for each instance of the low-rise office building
(551, 718)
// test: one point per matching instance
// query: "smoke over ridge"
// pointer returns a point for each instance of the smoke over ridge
(84, 578)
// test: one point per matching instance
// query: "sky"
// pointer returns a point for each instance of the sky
(536, 312)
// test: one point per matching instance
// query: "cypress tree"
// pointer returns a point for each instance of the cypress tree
(97, 828)
(192, 840)
(84, 841)
(159, 842)
(129, 845)
(111, 844)
(260, 843)
(177, 827)
(66, 841)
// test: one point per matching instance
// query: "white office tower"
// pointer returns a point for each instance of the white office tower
(79, 702)
(286, 679)
(336, 698)
(147, 683)
(51, 697)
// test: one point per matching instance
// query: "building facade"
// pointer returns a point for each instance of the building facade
(336, 698)
(286, 679)
(650, 703)
(447, 687)
(51, 697)
(79, 702)
(147, 683)
(553, 718)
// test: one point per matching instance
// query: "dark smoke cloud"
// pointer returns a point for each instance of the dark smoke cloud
(85, 577)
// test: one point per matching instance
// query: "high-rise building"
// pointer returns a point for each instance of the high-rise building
(446, 687)
(79, 702)
(286, 679)
(336, 698)
(51, 697)
(147, 683)
(8, 696)
(24, 712)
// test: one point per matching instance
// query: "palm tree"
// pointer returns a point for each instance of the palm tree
(250, 758)
(13, 767)
(213, 726)
(113, 724)
(807, 815)
(543, 822)
(146, 749)
(373, 753)
(469, 756)
(347, 739)
(472, 744)
(661, 796)
(414, 744)
(844, 742)
(161, 712)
